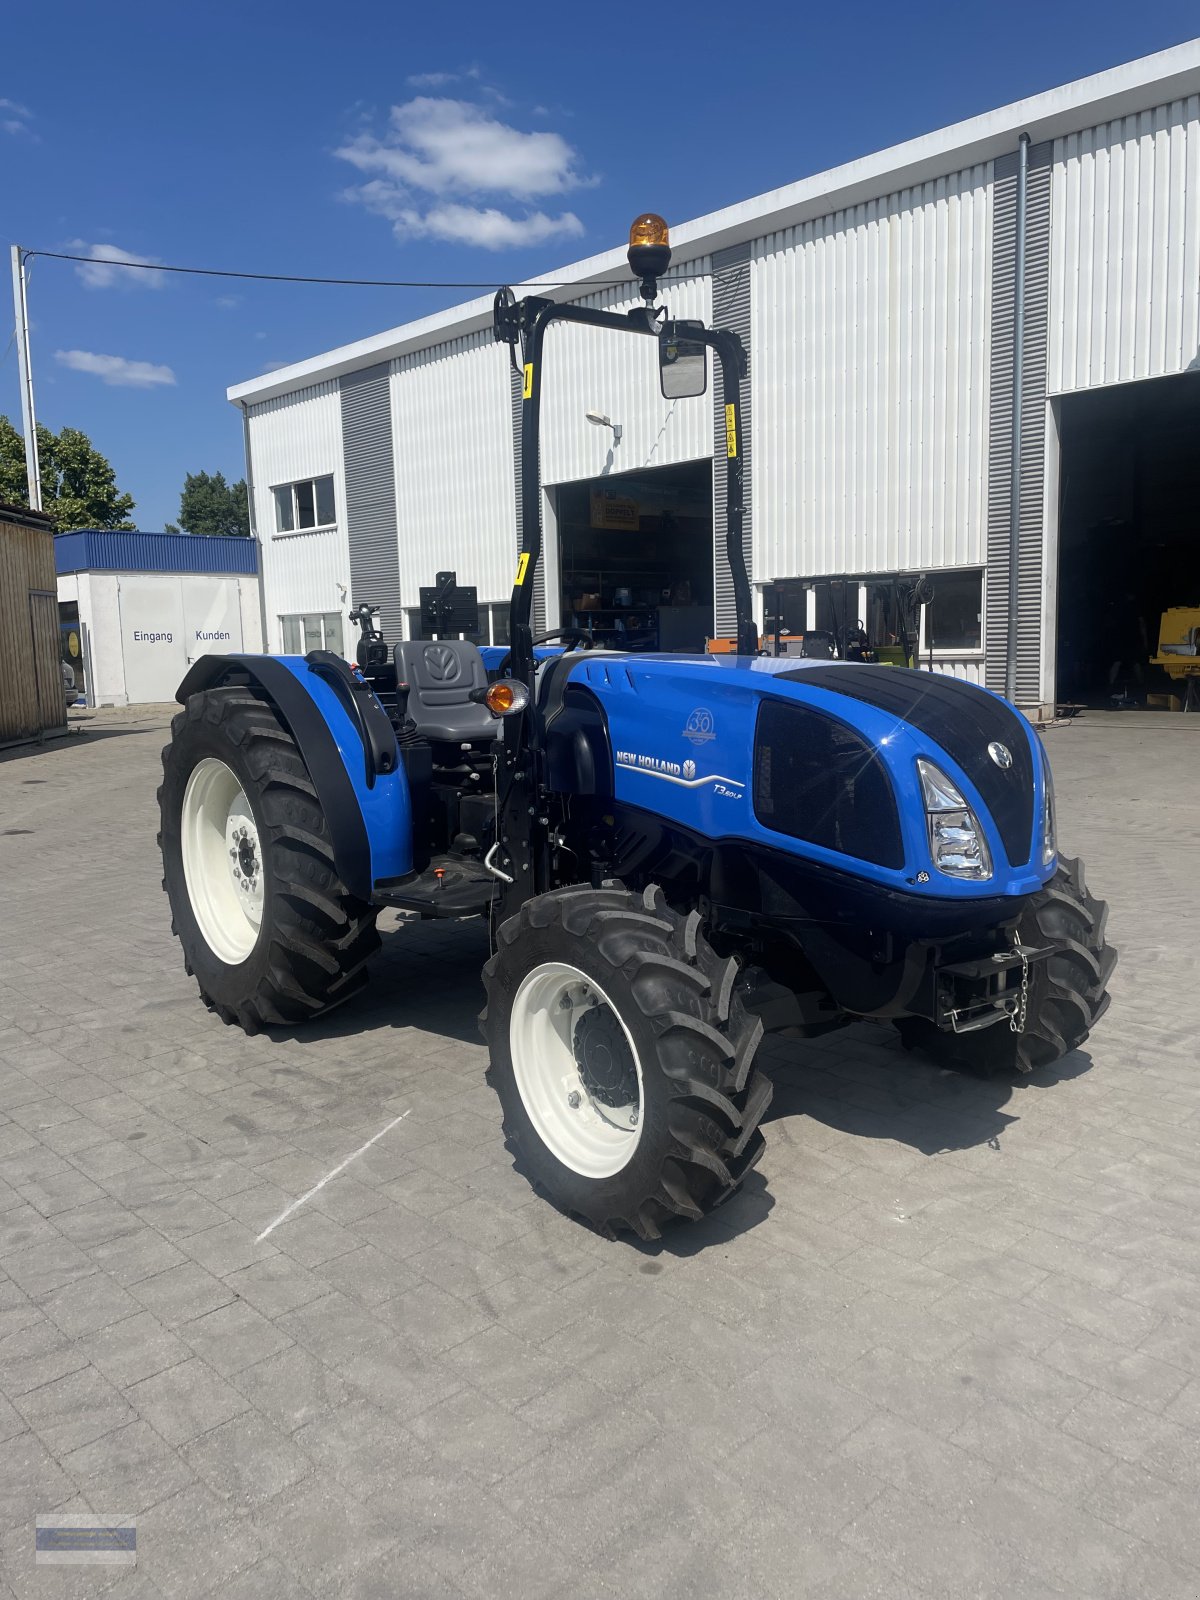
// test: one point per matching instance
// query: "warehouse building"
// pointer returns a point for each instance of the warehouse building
(136, 609)
(973, 357)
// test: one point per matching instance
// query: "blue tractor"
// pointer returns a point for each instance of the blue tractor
(674, 852)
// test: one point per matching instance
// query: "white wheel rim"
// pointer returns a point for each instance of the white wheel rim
(222, 860)
(587, 1134)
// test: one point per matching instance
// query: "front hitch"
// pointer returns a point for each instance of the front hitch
(971, 995)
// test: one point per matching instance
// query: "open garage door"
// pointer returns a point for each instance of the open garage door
(1129, 534)
(636, 557)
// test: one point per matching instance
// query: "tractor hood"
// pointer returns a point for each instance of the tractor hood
(822, 758)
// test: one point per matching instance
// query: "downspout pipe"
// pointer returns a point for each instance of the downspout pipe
(1014, 493)
(254, 534)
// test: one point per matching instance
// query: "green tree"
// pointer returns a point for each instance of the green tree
(79, 486)
(211, 506)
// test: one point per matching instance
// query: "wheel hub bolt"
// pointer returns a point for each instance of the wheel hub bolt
(633, 1117)
(574, 1099)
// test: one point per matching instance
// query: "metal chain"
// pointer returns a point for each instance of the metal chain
(1016, 1020)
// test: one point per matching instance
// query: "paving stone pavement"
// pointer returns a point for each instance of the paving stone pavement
(946, 1343)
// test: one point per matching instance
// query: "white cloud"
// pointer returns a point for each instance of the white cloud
(451, 146)
(431, 80)
(107, 268)
(455, 223)
(116, 371)
(438, 169)
(15, 118)
(228, 302)
(274, 366)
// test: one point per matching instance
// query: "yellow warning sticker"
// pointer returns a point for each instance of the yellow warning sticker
(527, 392)
(522, 561)
(730, 432)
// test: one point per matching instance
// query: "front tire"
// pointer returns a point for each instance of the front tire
(1068, 991)
(269, 931)
(623, 1059)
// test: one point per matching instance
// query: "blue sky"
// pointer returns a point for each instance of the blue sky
(371, 140)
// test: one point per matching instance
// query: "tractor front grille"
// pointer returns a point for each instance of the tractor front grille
(964, 720)
(816, 779)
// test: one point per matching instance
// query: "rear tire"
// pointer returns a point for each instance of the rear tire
(303, 941)
(623, 1059)
(1068, 992)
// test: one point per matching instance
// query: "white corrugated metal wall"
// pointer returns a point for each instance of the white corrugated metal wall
(452, 421)
(294, 437)
(591, 369)
(1125, 249)
(870, 332)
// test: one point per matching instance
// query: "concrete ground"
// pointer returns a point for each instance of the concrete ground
(947, 1342)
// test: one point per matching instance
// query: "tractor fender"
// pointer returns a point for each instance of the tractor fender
(578, 748)
(368, 811)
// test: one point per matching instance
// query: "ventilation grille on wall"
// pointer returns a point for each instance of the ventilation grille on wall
(731, 309)
(1033, 421)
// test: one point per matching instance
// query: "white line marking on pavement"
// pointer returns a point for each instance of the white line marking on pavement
(296, 1204)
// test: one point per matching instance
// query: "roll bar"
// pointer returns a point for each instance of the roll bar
(523, 324)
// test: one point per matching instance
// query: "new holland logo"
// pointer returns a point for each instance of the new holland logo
(689, 769)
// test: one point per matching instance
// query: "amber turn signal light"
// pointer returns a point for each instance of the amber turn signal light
(505, 697)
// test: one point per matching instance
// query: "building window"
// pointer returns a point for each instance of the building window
(954, 617)
(308, 504)
(319, 630)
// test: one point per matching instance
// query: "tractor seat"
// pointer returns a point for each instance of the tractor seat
(440, 674)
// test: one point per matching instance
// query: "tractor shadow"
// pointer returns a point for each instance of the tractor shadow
(426, 977)
(862, 1082)
(859, 1082)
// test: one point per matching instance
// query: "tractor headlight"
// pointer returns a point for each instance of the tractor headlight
(956, 840)
(1049, 842)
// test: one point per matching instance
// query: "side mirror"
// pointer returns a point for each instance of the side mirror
(682, 363)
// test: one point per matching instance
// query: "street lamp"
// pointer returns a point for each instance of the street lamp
(600, 420)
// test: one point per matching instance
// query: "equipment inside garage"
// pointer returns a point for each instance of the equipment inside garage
(1129, 536)
(636, 557)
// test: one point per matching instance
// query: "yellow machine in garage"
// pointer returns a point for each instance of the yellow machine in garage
(1179, 651)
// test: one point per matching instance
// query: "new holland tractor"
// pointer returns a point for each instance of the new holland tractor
(674, 852)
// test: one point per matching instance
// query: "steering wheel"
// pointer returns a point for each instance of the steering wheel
(572, 636)
(577, 636)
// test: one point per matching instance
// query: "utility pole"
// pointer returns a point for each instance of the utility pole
(21, 309)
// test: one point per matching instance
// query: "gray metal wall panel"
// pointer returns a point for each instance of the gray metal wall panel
(539, 578)
(731, 309)
(1033, 421)
(371, 494)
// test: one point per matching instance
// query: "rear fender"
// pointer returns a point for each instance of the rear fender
(369, 812)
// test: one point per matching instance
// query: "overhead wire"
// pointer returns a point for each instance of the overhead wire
(583, 285)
